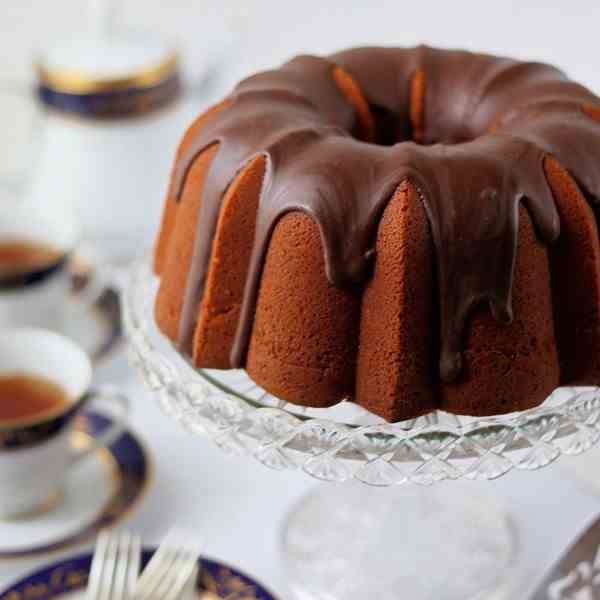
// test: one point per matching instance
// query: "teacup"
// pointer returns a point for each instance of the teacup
(35, 294)
(38, 450)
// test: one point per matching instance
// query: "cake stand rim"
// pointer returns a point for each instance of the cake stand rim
(544, 433)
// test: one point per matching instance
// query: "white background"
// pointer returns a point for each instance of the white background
(233, 504)
(559, 31)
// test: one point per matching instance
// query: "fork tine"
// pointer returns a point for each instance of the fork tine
(121, 567)
(183, 570)
(97, 567)
(156, 561)
(135, 559)
(108, 575)
(168, 573)
(190, 591)
(169, 582)
(147, 589)
(170, 568)
(182, 576)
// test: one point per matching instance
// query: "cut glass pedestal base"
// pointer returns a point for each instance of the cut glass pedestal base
(393, 537)
(351, 542)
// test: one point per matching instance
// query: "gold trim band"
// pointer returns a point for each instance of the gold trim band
(75, 82)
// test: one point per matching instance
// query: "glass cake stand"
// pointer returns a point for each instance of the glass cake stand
(398, 535)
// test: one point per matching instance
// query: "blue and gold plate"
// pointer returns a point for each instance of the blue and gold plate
(99, 493)
(70, 577)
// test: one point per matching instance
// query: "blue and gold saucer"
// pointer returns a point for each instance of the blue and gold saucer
(100, 491)
(70, 577)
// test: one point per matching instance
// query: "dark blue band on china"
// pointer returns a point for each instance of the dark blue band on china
(71, 576)
(27, 434)
(113, 103)
(15, 281)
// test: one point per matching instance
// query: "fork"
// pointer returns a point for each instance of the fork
(115, 566)
(170, 569)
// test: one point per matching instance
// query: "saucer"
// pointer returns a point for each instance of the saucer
(96, 328)
(99, 492)
(70, 577)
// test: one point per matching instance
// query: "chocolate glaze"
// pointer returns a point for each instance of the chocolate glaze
(489, 122)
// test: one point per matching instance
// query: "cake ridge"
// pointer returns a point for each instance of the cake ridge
(471, 188)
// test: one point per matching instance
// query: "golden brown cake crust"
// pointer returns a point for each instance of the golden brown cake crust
(350, 89)
(575, 263)
(304, 338)
(396, 367)
(511, 367)
(417, 105)
(388, 323)
(167, 225)
(219, 311)
(176, 256)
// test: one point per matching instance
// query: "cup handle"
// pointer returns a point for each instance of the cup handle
(97, 281)
(116, 404)
(101, 275)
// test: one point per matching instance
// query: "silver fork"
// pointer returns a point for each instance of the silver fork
(115, 566)
(170, 569)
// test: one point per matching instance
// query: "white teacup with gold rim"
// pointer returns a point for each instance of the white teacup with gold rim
(44, 384)
(35, 251)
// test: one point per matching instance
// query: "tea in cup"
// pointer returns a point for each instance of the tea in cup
(45, 383)
(35, 281)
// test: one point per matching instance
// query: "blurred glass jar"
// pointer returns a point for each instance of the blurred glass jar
(112, 119)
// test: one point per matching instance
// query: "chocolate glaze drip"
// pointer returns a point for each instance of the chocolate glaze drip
(489, 122)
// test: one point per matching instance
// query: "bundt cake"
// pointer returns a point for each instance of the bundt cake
(408, 229)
